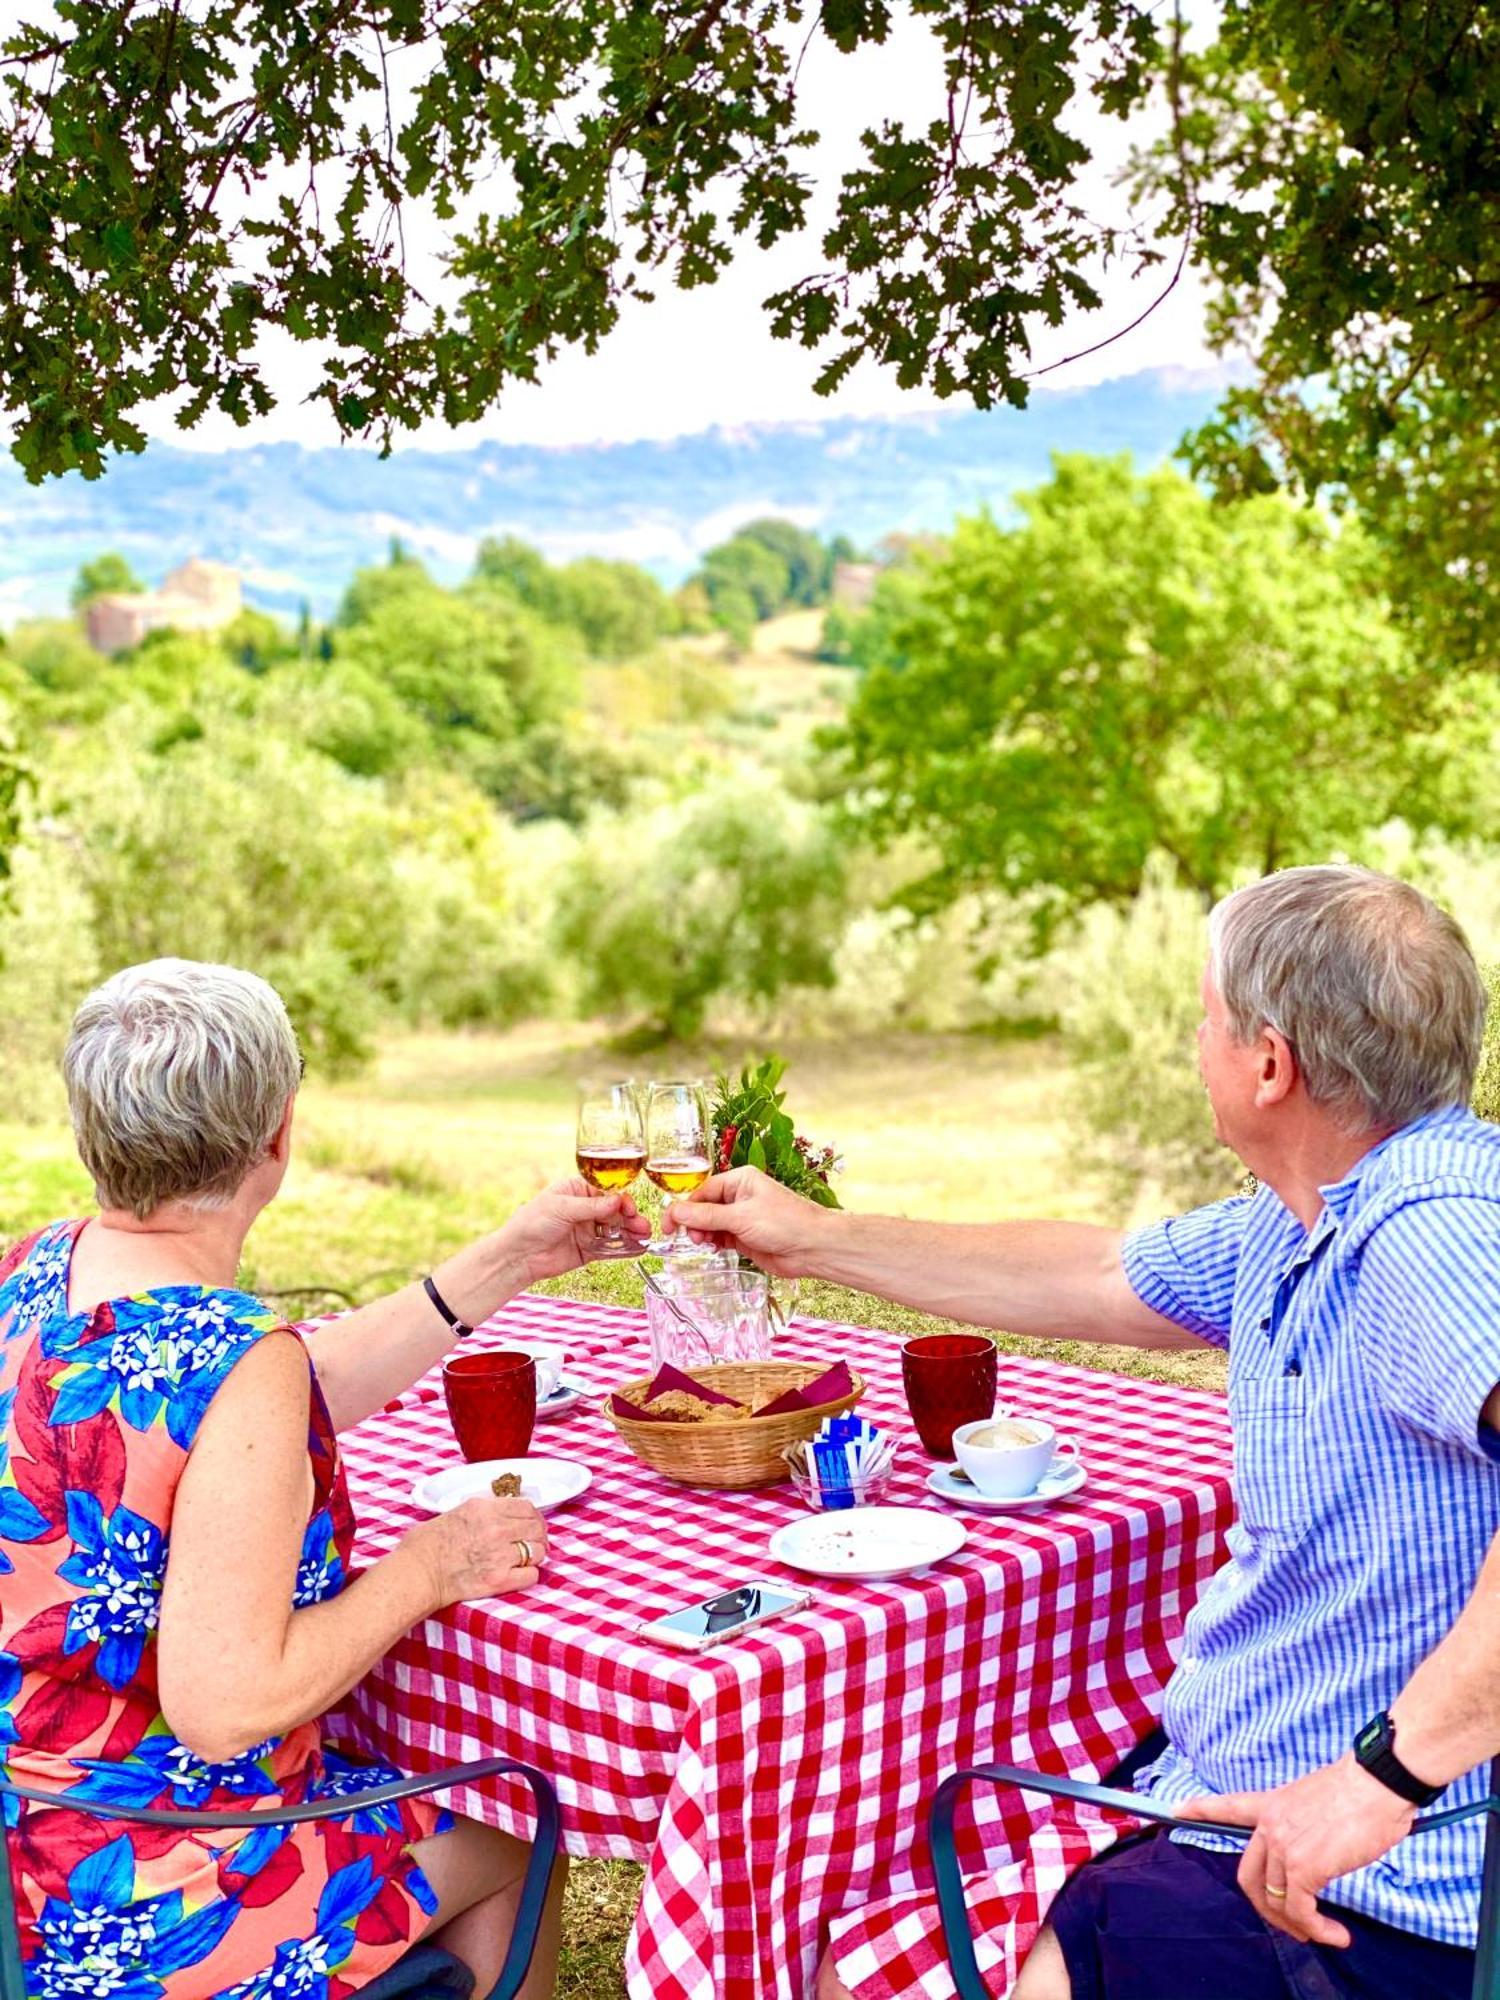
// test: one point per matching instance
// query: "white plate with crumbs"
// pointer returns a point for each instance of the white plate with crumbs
(545, 1482)
(869, 1542)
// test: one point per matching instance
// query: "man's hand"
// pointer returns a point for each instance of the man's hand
(748, 1210)
(559, 1229)
(1306, 1833)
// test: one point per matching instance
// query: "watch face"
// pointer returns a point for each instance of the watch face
(1371, 1737)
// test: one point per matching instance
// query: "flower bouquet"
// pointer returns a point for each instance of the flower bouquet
(752, 1129)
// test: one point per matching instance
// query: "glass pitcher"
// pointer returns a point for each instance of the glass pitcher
(700, 1312)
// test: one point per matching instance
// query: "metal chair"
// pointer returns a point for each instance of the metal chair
(426, 1972)
(955, 1916)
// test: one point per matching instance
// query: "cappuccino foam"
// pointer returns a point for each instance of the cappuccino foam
(1007, 1435)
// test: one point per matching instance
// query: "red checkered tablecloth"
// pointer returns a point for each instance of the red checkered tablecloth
(778, 1781)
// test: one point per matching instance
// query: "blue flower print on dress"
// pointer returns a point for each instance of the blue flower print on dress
(320, 1570)
(163, 1769)
(168, 1353)
(303, 1966)
(40, 1285)
(119, 1562)
(341, 1778)
(20, 1521)
(103, 1945)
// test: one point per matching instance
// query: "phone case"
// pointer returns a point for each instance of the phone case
(699, 1642)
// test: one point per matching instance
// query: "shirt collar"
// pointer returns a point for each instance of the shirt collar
(1339, 1195)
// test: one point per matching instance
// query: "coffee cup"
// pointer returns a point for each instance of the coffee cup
(550, 1363)
(1006, 1456)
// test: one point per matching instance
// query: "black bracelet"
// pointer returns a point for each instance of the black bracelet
(460, 1327)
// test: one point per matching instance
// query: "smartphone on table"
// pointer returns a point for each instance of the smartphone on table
(725, 1616)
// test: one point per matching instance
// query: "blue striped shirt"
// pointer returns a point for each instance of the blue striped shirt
(1360, 1356)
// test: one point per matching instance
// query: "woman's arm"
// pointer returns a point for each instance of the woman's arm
(365, 1358)
(236, 1663)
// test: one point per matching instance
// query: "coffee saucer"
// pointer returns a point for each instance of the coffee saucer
(568, 1393)
(1061, 1479)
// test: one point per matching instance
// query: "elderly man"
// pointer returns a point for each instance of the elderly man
(1357, 1295)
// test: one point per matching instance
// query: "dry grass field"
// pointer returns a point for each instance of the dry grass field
(448, 1132)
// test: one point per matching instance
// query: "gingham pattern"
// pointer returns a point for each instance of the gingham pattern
(777, 1781)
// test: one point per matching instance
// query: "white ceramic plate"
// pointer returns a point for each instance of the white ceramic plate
(1054, 1485)
(545, 1482)
(868, 1541)
(569, 1392)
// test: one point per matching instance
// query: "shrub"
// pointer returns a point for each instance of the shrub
(736, 894)
(1127, 986)
(257, 852)
(48, 961)
(1486, 1098)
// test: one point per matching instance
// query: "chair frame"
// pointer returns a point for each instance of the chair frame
(534, 1883)
(954, 1912)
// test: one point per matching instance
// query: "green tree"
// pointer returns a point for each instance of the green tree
(104, 574)
(1328, 168)
(809, 565)
(738, 894)
(1136, 670)
(618, 608)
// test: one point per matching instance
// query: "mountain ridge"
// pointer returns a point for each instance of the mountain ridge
(296, 522)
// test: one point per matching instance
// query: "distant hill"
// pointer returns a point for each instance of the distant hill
(296, 523)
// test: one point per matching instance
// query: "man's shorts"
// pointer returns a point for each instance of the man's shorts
(1155, 1919)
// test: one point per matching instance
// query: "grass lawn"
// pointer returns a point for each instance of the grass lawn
(443, 1137)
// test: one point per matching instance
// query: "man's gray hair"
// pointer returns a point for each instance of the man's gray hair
(178, 1074)
(1373, 985)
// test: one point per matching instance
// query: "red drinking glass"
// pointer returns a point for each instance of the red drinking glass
(491, 1403)
(950, 1380)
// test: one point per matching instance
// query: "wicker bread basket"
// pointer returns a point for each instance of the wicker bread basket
(731, 1452)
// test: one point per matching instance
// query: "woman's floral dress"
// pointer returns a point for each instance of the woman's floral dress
(98, 1412)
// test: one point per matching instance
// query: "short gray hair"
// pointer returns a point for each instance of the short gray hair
(1373, 985)
(178, 1074)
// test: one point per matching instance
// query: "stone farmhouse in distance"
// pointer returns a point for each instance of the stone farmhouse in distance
(198, 596)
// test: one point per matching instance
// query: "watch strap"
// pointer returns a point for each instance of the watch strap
(1375, 1752)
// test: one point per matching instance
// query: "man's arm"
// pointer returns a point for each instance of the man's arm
(1060, 1279)
(1447, 1720)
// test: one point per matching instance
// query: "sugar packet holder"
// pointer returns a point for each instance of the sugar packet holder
(844, 1460)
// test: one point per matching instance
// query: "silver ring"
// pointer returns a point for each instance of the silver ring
(528, 1560)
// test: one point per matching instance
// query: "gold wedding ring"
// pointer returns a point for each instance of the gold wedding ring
(523, 1550)
(1276, 1895)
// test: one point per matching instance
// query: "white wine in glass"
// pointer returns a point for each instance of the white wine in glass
(610, 1151)
(679, 1140)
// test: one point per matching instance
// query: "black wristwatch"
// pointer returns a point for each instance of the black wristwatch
(1375, 1749)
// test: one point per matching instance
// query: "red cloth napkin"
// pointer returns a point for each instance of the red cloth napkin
(833, 1384)
(830, 1387)
(667, 1377)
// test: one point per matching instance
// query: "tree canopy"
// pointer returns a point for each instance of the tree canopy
(1134, 671)
(101, 575)
(177, 180)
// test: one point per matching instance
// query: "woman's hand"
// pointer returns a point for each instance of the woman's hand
(481, 1549)
(559, 1229)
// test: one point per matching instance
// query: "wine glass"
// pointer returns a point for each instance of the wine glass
(611, 1150)
(679, 1142)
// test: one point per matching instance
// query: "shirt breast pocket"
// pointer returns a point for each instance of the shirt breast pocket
(1273, 1493)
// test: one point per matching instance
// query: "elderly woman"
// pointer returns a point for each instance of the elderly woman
(176, 1606)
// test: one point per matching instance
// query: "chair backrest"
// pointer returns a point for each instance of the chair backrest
(954, 1912)
(534, 1883)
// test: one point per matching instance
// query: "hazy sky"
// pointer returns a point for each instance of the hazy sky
(696, 359)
